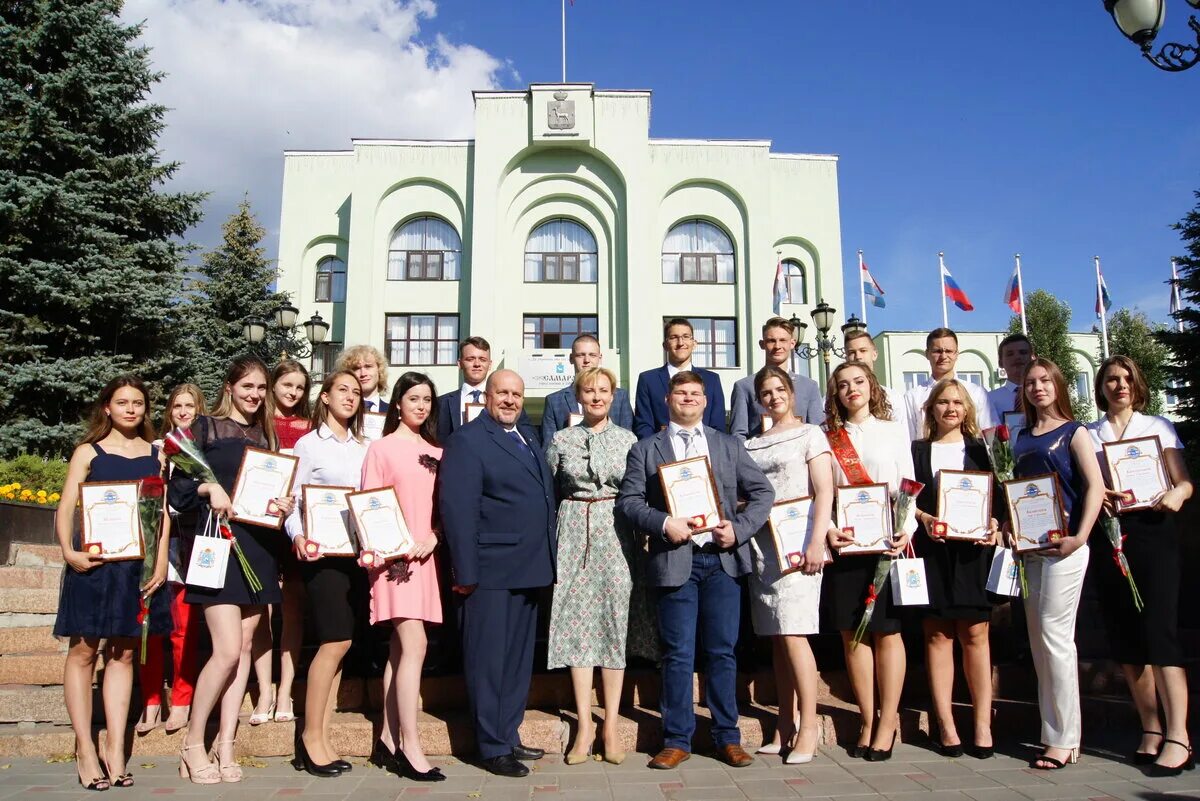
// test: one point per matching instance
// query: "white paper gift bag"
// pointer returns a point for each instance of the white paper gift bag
(210, 556)
(909, 585)
(1004, 578)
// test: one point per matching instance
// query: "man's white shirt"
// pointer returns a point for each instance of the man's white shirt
(914, 407)
(699, 448)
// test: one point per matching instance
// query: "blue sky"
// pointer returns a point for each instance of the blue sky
(979, 129)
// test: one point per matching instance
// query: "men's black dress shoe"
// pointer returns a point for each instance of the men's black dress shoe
(526, 753)
(506, 765)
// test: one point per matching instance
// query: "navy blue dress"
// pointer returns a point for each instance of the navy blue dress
(1036, 454)
(103, 602)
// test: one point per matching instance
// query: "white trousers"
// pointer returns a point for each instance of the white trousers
(1050, 610)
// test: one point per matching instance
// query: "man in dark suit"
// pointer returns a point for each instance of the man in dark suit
(650, 413)
(778, 342)
(496, 497)
(475, 361)
(560, 405)
(697, 574)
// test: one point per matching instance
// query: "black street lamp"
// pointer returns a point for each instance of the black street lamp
(256, 331)
(822, 317)
(1141, 20)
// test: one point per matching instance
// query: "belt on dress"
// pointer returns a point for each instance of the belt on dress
(587, 535)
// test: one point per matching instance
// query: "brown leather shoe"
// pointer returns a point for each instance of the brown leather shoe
(734, 756)
(669, 758)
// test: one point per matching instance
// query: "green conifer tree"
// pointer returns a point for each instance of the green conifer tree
(1049, 322)
(1131, 334)
(1185, 345)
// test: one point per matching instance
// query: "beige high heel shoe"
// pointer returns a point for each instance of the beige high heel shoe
(209, 774)
(231, 772)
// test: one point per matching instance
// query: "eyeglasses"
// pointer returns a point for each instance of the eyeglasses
(680, 338)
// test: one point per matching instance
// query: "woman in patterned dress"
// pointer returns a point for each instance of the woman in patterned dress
(589, 614)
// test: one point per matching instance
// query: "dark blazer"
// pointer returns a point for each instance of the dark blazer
(560, 404)
(745, 412)
(450, 418)
(650, 413)
(499, 514)
(738, 477)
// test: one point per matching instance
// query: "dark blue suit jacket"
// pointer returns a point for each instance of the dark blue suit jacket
(499, 513)
(560, 404)
(450, 418)
(650, 415)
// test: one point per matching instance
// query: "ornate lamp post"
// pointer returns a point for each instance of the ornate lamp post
(822, 317)
(256, 331)
(1141, 20)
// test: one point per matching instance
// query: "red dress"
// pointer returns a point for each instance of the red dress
(289, 430)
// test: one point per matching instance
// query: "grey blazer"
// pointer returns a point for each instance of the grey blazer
(641, 501)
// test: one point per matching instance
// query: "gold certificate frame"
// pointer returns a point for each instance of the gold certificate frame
(379, 522)
(691, 491)
(1035, 509)
(110, 526)
(791, 524)
(262, 477)
(965, 504)
(327, 519)
(865, 512)
(1138, 470)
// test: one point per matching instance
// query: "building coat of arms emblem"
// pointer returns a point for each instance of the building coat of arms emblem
(560, 113)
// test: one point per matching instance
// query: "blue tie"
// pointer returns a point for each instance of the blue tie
(522, 447)
(475, 393)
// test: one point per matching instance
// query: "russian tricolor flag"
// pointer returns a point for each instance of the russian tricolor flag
(954, 291)
(1012, 292)
(779, 291)
(872, 289)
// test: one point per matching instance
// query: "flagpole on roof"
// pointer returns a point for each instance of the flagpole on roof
(1100, 306)
(564, 41)
(1021, 295)
(862, 288)
(942, 281)
(1176, 301)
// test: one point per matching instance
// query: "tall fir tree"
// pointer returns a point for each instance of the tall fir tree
(90, 256)
(1049, 322)
(1131, 334)
(1185, 345)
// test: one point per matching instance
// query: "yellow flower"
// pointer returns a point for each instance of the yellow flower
(16, 485)
(54, 496)
(41, 500)
(42, 493)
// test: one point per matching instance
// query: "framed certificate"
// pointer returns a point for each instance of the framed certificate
(964, 504)
(1137, 469)
(1035, 509)
(691, 492)
(262, 477)
(865, 513)
(373, 425)
(574, 419)
(791, 527)
(380, 523)
(110, 526)
(471, 411)
(327, 519)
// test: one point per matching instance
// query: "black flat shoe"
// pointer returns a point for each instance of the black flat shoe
(302, 761)
(506, 765)
(1159, 771)
(406, 769)
(1143, 758)
(382, 758)
(527, 754)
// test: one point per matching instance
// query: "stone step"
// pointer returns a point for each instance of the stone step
(28, 554)
(30, 640)
(30, 577)
(42, 601)
(42, 670)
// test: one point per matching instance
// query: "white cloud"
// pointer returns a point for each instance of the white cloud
(247, 79)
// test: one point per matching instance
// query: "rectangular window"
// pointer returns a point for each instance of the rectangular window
(1083, 386)
(916, 378)
(1171, 395)
(551, 333)
(424, 265)
(572, 268)
(971, 378)
(698, 268)
(324, 356)
(421, 339)
(716, 341)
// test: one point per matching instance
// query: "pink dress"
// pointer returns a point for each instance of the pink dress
(411, 467)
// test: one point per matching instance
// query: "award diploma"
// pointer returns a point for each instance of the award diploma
(1137, 469)
(262, 477)
(1035, 511)
(380, 523)
(965, 503)
(691, 492)
(327, 519)
(791, 528)
(373, 425)
(865, 513)
(110, 526)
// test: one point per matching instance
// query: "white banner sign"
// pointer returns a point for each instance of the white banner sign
(547, 369)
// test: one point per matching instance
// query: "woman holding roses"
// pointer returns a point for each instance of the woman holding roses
(330, 455)
(99, 601)
(241, 420)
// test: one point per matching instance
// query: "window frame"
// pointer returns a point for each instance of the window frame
(424, 252)
(329, 296)
(330, 352)
(541, 330)
(918, 381)
(438, 317)
(800, 274)
(680, 257)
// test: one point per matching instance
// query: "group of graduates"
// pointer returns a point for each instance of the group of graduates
(500, 510)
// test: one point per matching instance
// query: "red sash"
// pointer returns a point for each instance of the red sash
(847, 456)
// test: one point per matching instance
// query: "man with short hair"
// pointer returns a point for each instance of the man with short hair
(1015, 352)
(860, 349)
(650, 414)
(778, 342)
(499, 515)
(698, 575)
(475, 361)
(941, 348)
(560, 405)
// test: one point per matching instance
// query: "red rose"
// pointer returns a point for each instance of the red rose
(1002, 433)
(151, 487)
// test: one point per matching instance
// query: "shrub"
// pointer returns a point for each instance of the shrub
(32, 479)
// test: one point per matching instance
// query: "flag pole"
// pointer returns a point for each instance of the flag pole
(1175, 295)
(1021, 295)
(564, 41)
(862, 288)
(1100, 306)
(942, 281)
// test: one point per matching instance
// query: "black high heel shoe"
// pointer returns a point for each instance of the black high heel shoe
(982, 751)
(407, 770)
(878, 754)
(1143, 758)
(858, 750)
(382, 758)
(303, 761)
(1173, 770)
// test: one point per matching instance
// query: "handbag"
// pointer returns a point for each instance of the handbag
(210, 556)
(909, 584)
(1004, 577)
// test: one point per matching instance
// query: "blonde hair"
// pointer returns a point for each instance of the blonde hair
(349, 360)
(970, 424)
(183, 389)
(263, 418)
(589, 376)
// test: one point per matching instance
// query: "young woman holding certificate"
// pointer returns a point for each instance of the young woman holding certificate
(956, 569)
(1053, 442)
(1145, 643)
(868, 446)
(330, 455)
(99, 601)
(240, 421)
(405, 593)
(785, 605)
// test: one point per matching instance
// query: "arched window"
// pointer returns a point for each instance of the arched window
(424, 249)
(560, 251)
(331, 280)
(793, 276)
(697, 252)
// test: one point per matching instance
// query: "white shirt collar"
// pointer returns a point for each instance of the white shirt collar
(674, 428)
(672, 369)
(325, 432)
(467, 389)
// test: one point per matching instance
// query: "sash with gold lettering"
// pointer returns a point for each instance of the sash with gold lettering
(847, 456)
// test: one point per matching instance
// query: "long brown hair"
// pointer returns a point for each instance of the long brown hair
(836, 414)
(99, 424)
(320, 412)
(239, 368)
(403, 384)
(970, 426)
(1139, 394)
(1062, 397)
(183, 389)
(287, 367)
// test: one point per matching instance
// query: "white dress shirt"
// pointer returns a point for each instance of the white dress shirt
(1003, 399)
(672, 369)
(896, 401)
(886, 454)
(699, 447)
(325, 460)
(914, 407)
(465, 398)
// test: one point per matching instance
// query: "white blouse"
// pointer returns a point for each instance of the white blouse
(324, 460)
(1140, 425)
(886, 454)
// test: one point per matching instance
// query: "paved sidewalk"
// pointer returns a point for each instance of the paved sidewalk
(913, 773)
